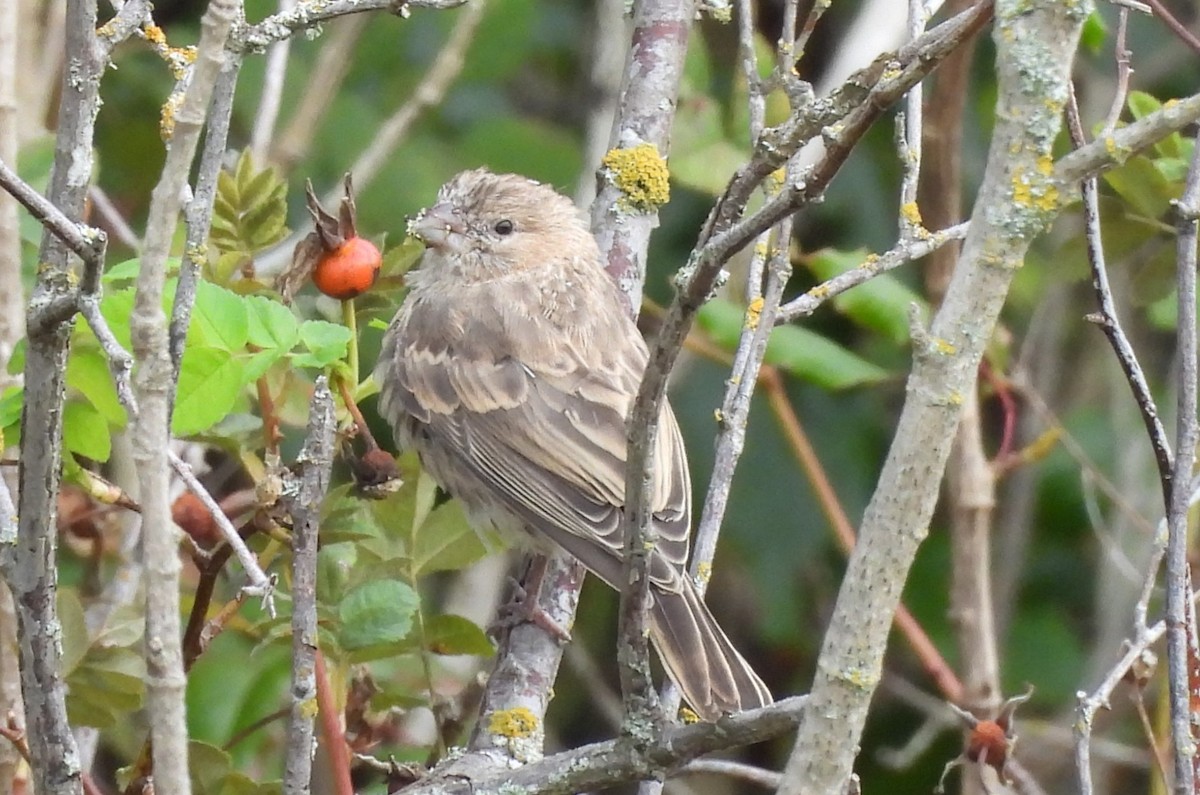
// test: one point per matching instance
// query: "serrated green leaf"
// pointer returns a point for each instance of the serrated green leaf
(250, 210)
(219, 319)
(85, 432)
(796, 350)
(376, 613)
(210, 380)
(451, 634)
(880, 304)
(326, 343)
(88, 373)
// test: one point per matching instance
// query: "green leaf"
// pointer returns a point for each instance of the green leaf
(74, 630)
(116, 307)
(446, 541)
(880, 304)
(219, 319)
(326, 342)
(1143, 186)
(451, 634)
(249, 212)
(796, 350)
(1094, 32)
(88, 374)
(271, 324)
(105, 687)
(122, 271)
(11, 401)
(85, 432)
(210, 380)
(335, 564)
(376, 613)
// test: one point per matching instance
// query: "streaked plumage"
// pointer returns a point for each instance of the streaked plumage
(510, 368)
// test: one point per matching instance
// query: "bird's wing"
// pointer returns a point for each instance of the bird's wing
(548, 440)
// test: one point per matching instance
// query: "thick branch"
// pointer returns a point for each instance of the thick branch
(1016, 201)
(29, 564)
(151, 427)
(612, 762)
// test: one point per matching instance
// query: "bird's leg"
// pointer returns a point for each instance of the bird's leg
(523, 606)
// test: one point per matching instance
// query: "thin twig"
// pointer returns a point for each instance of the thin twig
(112, 217)
(316, 459)
(1187, 434)
(272, 92)
(738, 771)
(1178, 28)
(260, 585)
(86, 241)
(429, 91)
(1107, 318)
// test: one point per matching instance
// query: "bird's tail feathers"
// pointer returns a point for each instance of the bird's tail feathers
(715, 679)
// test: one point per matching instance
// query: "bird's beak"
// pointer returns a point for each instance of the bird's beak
(439, 227)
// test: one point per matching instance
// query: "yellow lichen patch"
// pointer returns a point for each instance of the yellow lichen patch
(774, 181)
(761, 250)
(107, 29)
(687, 716)
(820, 291)
(719, 416)
(704, 572)
(154, 34)
(911, 213)
(166, 123)
(1036, 191)
(753, 313)
(308, 708)
(641, 174)
(1170, 103)
(515, 723)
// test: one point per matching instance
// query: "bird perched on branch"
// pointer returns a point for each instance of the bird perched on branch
(511, 368)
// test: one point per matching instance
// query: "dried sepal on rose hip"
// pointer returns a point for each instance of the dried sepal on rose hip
(341, 264)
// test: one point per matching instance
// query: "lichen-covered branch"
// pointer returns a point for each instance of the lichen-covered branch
(29, 561)
(309, 13)
(1016, 201)
(605, 764)
(151, 427)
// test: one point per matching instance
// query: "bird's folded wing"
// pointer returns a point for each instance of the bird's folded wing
(551, 447)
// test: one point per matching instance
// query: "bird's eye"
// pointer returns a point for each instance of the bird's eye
(504, 227)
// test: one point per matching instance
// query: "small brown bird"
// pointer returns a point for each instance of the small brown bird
(511, 368)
